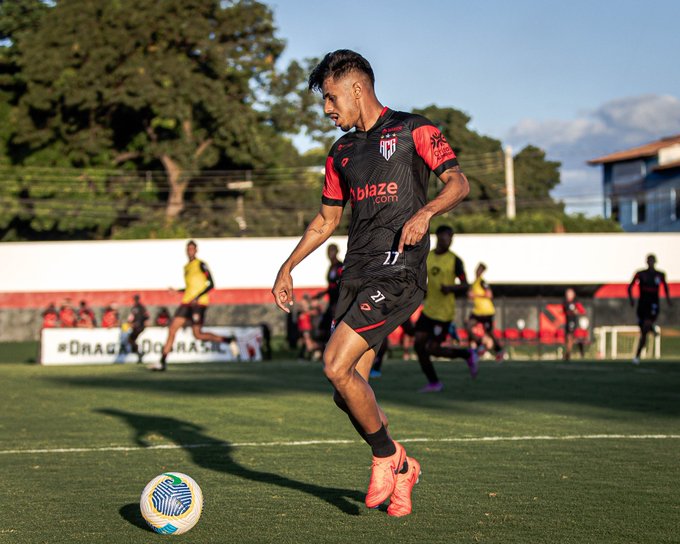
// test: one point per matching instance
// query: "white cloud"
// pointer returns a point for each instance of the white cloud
(614, 126)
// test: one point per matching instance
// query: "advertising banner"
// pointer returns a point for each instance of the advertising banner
(82, 346)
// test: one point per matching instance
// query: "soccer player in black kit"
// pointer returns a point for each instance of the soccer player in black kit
(382, 169)
(650, 281)
(138, 319)
(333, 291)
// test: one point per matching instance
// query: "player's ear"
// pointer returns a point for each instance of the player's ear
(357, 89)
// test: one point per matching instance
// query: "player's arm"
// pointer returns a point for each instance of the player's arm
(459, 273)
(666, 290)
(630, 289)
(488, 293)
(463, 284)
(209, 283)
(320, 294)
(456, 187)
(319, 230)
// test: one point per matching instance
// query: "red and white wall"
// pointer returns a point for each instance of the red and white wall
(34, 274)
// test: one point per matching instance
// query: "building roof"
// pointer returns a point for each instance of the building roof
(669, 166)
(646, 150)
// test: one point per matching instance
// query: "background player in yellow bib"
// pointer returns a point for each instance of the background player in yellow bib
(443, 269)
(481, 320)
(198, 281)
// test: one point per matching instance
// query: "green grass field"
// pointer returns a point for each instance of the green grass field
(529, 452)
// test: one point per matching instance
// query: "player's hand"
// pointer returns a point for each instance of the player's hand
(414, 229)
(283, 290)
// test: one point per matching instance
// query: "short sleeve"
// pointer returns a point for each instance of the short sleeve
(432, 146)
(335, 192)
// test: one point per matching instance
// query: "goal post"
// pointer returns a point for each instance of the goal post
(620, 342)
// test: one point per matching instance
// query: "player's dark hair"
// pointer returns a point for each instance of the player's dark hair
(338, 64)
(441, 229)
(191, 243)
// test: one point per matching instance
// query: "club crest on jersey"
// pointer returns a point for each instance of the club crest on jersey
(388, 145)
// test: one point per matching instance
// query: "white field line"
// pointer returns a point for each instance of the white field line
(295, 443)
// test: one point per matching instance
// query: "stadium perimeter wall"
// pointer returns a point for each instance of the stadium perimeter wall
(35, 274)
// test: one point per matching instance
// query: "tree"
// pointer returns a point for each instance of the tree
(480, 157)
(182, 85)
(536, 177)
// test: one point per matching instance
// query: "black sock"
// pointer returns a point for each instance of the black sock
(228, 339)
(381, 443)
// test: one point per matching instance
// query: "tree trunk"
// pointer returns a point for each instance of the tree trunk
(178, 185)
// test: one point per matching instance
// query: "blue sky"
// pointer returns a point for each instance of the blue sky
(577, 78)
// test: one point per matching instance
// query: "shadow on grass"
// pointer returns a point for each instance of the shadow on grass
(651, 388)
(132, 513)
(208, 452)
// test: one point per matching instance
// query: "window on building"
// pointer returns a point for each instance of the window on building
(642, 210)
(615, 211)
(638, 211)
(628, 172)
(675, 205)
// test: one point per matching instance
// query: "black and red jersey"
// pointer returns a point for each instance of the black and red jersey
(383, 172)
(572, 309)
(649, 282)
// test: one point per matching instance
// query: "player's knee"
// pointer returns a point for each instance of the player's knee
(333, 369)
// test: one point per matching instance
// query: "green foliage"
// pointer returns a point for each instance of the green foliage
(186, 86)
(129, 118)
(550, 219)
(535, 177)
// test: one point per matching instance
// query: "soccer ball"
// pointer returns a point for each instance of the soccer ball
(171, 503)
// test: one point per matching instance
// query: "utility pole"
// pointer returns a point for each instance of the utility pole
(509, 184)
(241, 187)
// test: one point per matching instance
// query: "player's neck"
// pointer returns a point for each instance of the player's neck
(369, 115)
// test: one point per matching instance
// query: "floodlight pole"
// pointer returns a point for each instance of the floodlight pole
(509, 183)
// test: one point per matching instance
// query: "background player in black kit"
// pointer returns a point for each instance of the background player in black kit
(382, 168)
(572, 309)
(649, 281)
(333, 291)
(138, 319)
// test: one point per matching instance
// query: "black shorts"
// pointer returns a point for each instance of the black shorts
(193, 312)
(374, 307)
(647, 311)
(135, 332)
(570, 326)
(485, 320)
(436, 330)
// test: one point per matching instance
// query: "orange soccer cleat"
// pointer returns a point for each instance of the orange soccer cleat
(400, 501)
(384, 476)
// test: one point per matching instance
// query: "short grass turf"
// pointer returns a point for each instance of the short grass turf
(590, 453)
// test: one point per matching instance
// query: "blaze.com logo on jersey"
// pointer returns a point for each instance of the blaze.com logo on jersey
(383, 193)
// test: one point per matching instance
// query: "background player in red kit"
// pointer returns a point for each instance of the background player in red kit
(382, 168)
(650, 280)
(572, 309)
